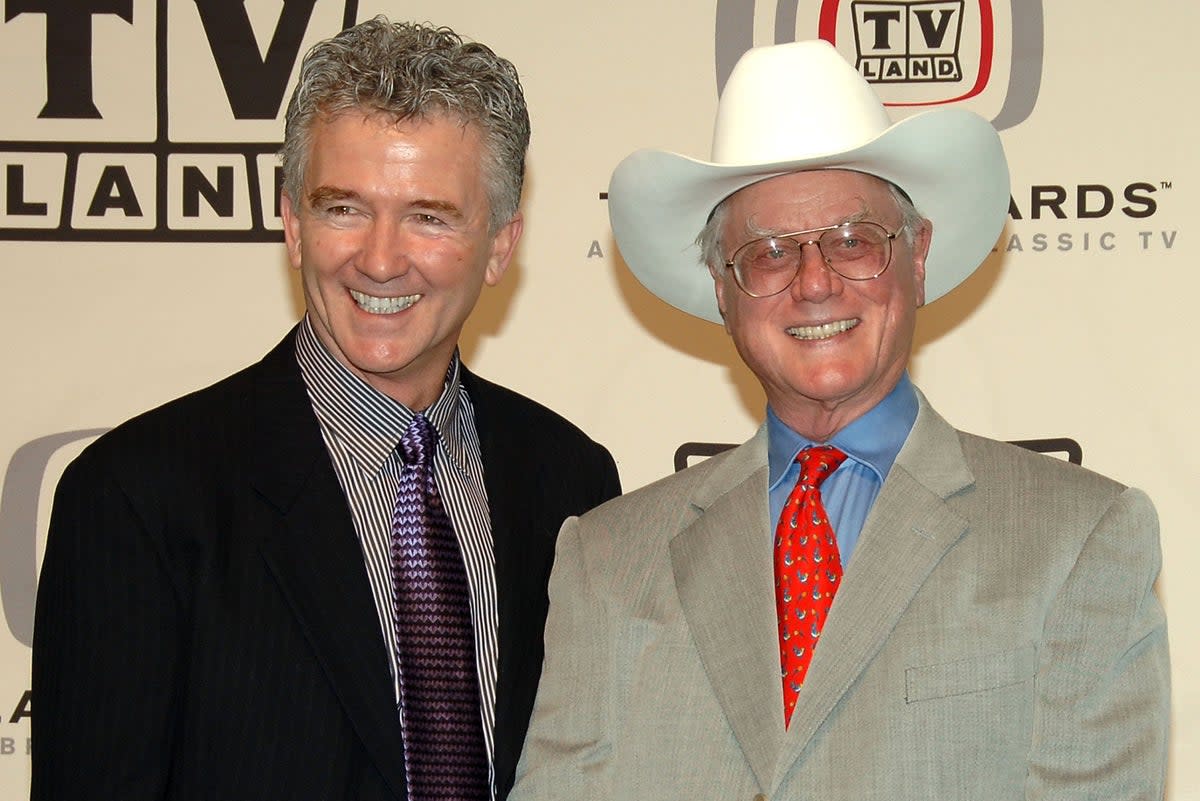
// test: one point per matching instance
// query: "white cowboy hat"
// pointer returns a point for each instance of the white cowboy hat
(795, 107)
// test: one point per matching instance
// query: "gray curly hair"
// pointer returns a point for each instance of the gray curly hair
(412, 71)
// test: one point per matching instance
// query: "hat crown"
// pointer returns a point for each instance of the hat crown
(800, 106)
(794, 101)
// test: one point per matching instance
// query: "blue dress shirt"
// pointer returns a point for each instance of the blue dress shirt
(871, 444)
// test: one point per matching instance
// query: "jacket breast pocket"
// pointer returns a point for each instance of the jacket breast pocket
(973, 675)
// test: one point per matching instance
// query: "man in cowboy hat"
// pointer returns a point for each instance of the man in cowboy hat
(993, 632)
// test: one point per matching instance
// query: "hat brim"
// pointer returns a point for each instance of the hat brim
(950, 162)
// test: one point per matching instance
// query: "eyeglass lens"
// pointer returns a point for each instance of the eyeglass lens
(858, 250)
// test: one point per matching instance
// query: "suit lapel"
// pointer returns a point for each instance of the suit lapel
(314, 553)
(906, 534)
(723, 574)
(527, 502)
(504, 473)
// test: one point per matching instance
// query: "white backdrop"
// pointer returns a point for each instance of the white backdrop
(1080, 325)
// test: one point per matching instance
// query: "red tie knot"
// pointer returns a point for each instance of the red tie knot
(817, 462)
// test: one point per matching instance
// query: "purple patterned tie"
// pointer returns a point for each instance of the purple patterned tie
(444, 751)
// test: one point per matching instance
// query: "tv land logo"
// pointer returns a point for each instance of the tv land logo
(155, 121)
(917, 53)
(909, 42)
(20, 497)
(28, 472)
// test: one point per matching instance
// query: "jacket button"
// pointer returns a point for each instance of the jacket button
(760, 797)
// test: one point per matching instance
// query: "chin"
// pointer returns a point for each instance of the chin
(831, 384)
(381, 366)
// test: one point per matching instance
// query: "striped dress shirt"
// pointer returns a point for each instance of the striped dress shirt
(362, 428)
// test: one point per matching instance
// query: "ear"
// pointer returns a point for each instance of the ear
(719, 275)
(504, 246)
(920, 250)
(291, 228)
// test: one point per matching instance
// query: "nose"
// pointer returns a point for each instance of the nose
(815, 280)
(383, 254)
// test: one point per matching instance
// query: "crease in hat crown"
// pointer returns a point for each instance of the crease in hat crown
(840, 105)
(801, 106)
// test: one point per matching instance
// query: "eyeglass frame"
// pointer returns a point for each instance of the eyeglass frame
(730, 263)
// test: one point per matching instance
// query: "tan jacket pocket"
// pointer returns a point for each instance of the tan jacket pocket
(973, 675)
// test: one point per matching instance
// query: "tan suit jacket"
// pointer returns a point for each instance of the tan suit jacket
(996, 636)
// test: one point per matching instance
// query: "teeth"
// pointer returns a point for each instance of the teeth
(374, 305)
(824, 331)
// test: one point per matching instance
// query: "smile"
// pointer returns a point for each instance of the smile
(824, 331)
(374, 305)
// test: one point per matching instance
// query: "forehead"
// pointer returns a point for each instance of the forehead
(377, 152)
(809, 199)
(364, 131)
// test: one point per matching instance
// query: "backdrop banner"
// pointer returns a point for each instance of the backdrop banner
(141, 255)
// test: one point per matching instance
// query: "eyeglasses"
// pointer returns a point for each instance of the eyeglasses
(858, 251)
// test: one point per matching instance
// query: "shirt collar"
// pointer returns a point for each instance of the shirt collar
(873, 440)
(366, 422)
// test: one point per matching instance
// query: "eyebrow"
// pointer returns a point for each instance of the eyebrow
(326, 194)
(762, 233)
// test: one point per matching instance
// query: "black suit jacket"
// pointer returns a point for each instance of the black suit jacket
(205, 628)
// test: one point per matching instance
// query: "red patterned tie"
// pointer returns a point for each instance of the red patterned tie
(808, 569)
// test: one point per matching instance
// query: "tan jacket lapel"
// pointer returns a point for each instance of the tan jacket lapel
(723, 574)
(905, 536)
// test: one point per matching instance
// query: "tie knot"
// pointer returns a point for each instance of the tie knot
(817, 462)
(416, 446)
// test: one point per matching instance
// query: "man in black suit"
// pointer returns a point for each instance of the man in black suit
(217, 613)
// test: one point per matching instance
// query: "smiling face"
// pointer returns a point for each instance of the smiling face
(826, 349)
(392, 241)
